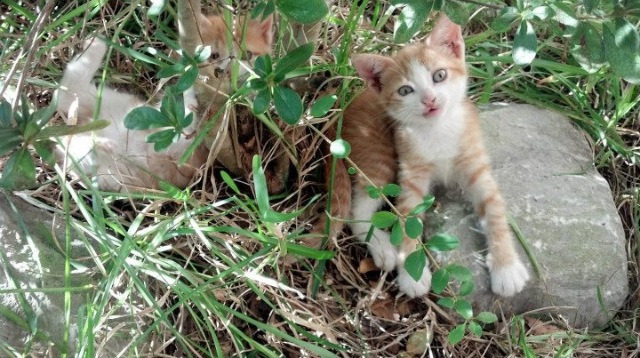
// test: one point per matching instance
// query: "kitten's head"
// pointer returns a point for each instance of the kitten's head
(422, 81)
(257, 35)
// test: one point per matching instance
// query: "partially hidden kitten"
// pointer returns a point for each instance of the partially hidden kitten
(251, 37)
(415, 112)
(119, 158)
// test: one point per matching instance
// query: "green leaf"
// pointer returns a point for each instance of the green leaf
(63, 129)
(351, 170)
(475, 329)
(414, 227)
(505, 19)
(564, 14)
(486, 317)
(43, 148)
(621, 45)
(340, 148)
(396, 233)
(589, 5)
(163, 139)
(412, 16)
(392, 190)
(156, 7)
(202, 53)
(466, 287)
(457, 12)
(439, 280)
(10, 139)
(19, 171)
(322, 105)
(5, 113)
(443, 242)
(446, 302)
(261, 102)
(227, 179)
(415, 263)
(262, 66)
(172, 70)
(145, 118)
(426, 204)
(373, 192)
(304, 12)
(525, 44)
(383, 219)
(257, 84)
(288, 104)
(260, 186)
(187, 79)
(542, 12)
(587, 47)
(43, 115)
(457, 334)
(277, 217)
(464, 309)
(292, 60)
(459, 272)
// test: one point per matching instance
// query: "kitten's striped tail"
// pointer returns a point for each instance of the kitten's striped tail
(77, 93)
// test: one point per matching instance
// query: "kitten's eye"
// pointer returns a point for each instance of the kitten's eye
(439, 75)
(405, 90)
(215, 56)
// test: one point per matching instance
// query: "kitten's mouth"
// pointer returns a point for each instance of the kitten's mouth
(430, 112)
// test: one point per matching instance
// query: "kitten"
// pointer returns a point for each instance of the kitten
(415, 112)
(119, 158)
(212, 89)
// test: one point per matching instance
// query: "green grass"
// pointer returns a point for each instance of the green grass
(200, 272)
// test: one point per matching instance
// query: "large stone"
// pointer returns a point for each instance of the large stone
(32, 258)
(564, 208)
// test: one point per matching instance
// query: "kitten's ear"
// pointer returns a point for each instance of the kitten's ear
(447, 34)
(370, 68)
(266, 30)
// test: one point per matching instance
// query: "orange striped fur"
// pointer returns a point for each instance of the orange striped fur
(414, 123)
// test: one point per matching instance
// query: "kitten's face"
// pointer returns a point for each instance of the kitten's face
(257, 35)
(423, 81)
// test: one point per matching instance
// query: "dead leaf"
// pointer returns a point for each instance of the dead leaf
(418, 342)
(538, 327)
(367, 265)
(384, 309)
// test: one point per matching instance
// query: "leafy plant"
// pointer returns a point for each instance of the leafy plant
(23, 129)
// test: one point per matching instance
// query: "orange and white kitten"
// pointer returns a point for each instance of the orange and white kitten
(415, 110)
(250, 38)
(117, 157)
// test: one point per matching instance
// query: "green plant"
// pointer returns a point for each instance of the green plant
(23, 129)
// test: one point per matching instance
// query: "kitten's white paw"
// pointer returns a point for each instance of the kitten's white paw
(508, 280)
(383, 252)
(411, 287)
(95, 48)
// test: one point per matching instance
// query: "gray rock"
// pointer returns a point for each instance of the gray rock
(32, 257)
(565, 210)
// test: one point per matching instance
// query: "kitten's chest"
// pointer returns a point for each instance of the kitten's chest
(437, 144)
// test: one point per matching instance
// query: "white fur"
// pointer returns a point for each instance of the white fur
(507, 280)
(411, 287)
(115, 156)
(384, 254)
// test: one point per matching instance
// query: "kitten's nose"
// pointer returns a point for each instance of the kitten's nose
(428, 101)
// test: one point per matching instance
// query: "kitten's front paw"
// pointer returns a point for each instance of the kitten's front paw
(509, 279)
(383, 252)
(411, 287)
